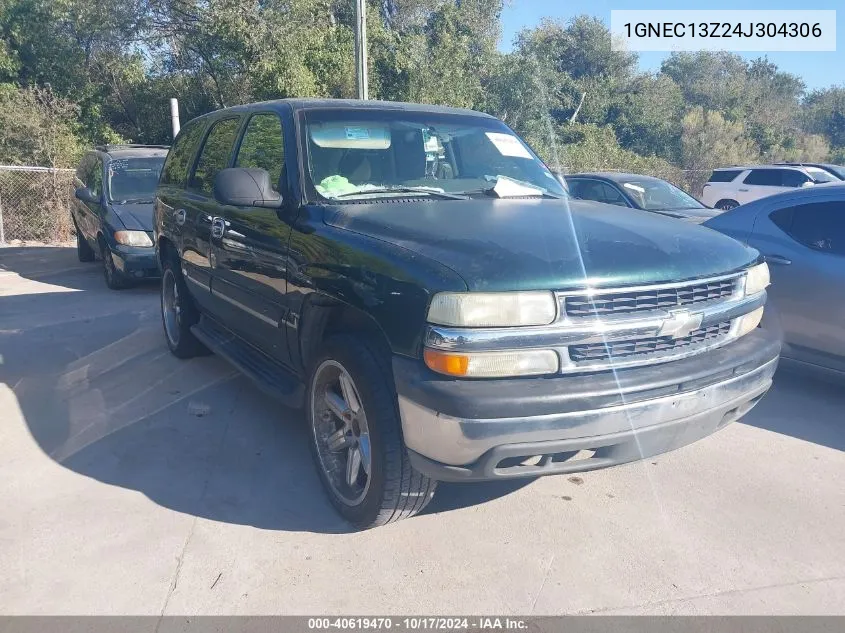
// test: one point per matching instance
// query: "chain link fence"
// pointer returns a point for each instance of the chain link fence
(35, 204)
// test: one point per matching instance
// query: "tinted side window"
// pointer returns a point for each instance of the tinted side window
(262, 146)
(179, 157)
(95, 181)
(595, 190)
(83, 172)
(214, 155)
(793, 178)
(782, 218)
(724, 175)
(767, 177)
(819, 225)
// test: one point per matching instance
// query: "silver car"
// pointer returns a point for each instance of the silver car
(802, 236)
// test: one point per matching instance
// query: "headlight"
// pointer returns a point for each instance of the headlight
(132, 238)
(493, 364)
(757, 279)
(492, 309)
(749, 322)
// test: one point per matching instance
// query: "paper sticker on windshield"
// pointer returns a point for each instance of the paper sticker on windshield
(357, 134)
(630, 185)
(508, 145)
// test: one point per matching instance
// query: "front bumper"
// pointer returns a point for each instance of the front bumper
(138, 262)
(458, 430)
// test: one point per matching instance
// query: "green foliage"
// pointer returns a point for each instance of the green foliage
(647, 116)
(38, 128)
(78, 72)
(593, 148)
(825, 115)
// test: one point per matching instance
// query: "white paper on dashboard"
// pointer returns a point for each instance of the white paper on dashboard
(507, 188)
(508, 145)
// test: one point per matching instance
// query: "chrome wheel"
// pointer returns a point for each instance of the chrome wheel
(170, 307)
(340, 432)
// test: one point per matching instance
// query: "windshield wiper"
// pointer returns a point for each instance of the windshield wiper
(133, 201)
(428, 192)
(541, 191)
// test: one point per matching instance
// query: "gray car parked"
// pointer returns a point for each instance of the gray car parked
(802, 236)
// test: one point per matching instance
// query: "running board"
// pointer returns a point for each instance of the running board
(268, 375)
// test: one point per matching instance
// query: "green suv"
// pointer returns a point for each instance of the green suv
(421, 284)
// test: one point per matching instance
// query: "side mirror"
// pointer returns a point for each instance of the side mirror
(808, 183)
(86, 195)
(246, 187)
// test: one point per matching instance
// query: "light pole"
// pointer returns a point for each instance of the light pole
(361, 48)
(174, 116)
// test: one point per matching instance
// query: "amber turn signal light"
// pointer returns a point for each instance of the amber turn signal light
(449, 364)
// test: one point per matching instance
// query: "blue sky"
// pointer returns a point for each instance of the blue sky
(818, 70)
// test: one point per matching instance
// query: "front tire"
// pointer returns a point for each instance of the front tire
(356, 437)
(178, 313)
(115, 280)
(84, 252)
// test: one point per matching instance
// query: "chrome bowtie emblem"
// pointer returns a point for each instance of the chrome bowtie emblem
(681, 323)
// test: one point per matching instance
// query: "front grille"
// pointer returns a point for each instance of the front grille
(615, 350)
(621, 302)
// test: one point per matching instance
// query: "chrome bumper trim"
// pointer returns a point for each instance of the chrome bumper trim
(461, 441)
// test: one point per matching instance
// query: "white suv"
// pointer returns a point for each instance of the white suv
(730, 187)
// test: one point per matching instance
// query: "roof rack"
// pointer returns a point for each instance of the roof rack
(110, 147)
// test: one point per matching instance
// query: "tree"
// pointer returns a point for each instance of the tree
(709, 140)
(825, 115)
(38, 128)
(580, 48)
(646, 116)
(435, 51)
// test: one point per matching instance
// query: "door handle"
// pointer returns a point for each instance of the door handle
(218, 227)
(742, 189)
(777, 259)
(180, 216)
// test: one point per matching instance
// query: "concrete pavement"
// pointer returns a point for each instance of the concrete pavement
(135, 483)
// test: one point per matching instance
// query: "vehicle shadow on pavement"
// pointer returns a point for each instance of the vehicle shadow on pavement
(101, 395)
(56, 265)
(803, 406)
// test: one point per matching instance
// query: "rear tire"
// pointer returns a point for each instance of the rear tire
(346, 376)
(115, 280)
(726, 205)
(178, 313)
(84, 252)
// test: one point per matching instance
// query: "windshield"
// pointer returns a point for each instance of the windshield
(658, 195)
(820, 175)
(134, 179)
(367, 154)
(839, 170)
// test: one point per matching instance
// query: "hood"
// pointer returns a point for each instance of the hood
(692, 215)
(497, 244)
(135, 216)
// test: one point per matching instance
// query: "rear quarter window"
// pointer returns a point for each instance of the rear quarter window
(724, 175)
